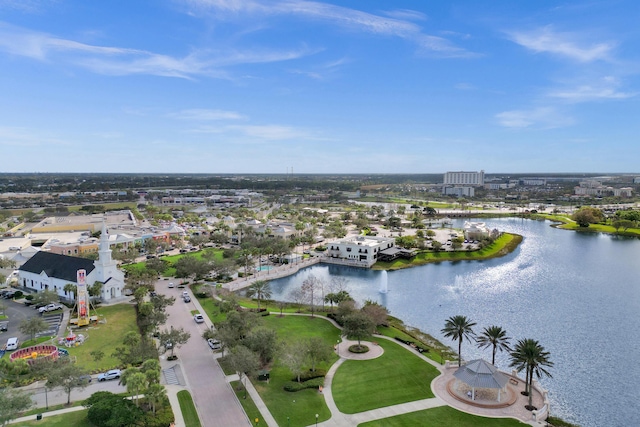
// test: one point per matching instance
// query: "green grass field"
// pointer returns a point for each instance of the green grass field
(299, 407)
(397, 376)
(120, 318)
(443, 416)
(248, 405)
(189, 413)
(70, 419)
(501, 246)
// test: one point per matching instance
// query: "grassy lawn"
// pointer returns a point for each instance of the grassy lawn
(36, 341)
(188, 409)
(120, 318)
(70, 419)
(211, 309)
(438, 355)
(443, 416)
(395, 377)
(501, 246)
(248, 405)
(298, 408)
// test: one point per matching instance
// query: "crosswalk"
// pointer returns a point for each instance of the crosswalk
(170, 376)
(53, 321)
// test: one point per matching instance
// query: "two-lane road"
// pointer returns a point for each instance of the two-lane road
(216, 403)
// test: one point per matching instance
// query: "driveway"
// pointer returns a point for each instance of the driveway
(215, 401)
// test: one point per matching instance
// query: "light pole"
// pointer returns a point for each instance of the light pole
(317, 420)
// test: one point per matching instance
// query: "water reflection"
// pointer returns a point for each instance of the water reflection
(575, 293)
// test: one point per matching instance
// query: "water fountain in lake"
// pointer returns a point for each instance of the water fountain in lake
(384, 286)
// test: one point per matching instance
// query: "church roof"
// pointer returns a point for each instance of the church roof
(62, 267)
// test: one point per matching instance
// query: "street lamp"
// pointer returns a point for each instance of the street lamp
(317, 420)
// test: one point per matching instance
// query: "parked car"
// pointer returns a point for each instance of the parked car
(199, 318)
(186, 298)
(185, 294)
(50, 307)
(172, 285)
(113, 374)
(181, 285)
(4, 326)
(84, 379)
(214, 344)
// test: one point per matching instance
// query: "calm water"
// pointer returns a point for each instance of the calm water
(578, 294)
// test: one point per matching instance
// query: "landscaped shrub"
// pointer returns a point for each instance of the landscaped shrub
(293, 386)
(162, 418)
(309, 375)
(358, 349)
(18, 295)
(29, 297)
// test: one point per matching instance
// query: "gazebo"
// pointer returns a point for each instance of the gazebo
(481, 374)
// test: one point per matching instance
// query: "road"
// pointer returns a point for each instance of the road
(58, 396)
(215, 401)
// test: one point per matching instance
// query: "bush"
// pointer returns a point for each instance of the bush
(162, 418)
(358, 349)
(310, 375)
(18, 295)
(29, 297)
(294, 386)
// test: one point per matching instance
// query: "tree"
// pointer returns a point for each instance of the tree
(71, 290)
(33, 326)
(46, 297)
(458, 328)
(264, 342)
(297, 296)
(378, 313)
(260, 289)
(135, 381)
(174, 338)
(358, 325)
(110, 410)
(155, 394)
(529, 355)
(67, 375)
(294, 358)
(309, 288)
(587, 215)
(495, 337)
(12, 403)
(244, 362)
(317, 351)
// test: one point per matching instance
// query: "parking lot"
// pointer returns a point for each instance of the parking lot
(18, 312)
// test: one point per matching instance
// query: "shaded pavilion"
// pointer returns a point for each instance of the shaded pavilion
(481, 374)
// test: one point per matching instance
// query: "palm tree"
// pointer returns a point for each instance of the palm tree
(261, 289)
(458, 328)
(494, 336)
(528, 354)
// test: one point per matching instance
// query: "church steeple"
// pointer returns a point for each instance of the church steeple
(104, 252)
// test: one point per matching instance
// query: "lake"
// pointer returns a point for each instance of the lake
(576, 293)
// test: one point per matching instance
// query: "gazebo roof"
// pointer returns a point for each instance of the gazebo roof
(481, 374)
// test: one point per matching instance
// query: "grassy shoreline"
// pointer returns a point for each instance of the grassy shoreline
(502, 246)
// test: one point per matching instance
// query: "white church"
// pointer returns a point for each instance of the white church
(46, 270)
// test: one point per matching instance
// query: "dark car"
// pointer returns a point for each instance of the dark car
(4, 326)
(186, 298)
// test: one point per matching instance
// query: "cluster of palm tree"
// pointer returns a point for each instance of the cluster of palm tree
(527, 354)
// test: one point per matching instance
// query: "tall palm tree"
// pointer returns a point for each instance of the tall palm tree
(260, 289)
(528, 354)
(494, 336)
(458, 328)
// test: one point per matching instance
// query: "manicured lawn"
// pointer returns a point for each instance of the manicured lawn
(120, 319)
(435, 354)
(397, 376)
(188, 409)
(36, 341)
(443, 416)
(501, 246)
(248, 405)
(299, 407)
(70, 419)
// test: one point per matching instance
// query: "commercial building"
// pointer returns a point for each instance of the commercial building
(464, 178)
(362, 250)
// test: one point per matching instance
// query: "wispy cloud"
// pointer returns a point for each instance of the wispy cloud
(124, 61)
(352, 19)
(406, 14)
(606, 88)
(206, 115)
(568, 45)
(539, 118)
(322, 71)
(23, 137)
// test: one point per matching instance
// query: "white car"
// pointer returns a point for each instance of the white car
(50, 307)
(214, 344)
(171, 285)
(185, 294)
(113, 374)
(199, 318)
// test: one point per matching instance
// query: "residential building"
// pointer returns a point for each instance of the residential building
(464, 178)
(360, 249)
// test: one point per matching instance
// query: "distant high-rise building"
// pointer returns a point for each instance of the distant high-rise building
(464, 178)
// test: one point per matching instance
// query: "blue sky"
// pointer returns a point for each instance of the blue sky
(253, 86)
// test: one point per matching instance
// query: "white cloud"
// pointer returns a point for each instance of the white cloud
(565, 44)
(539, 118)
(406, 14)
(23, 137)
(606, 88)
(352, 19)
(206, 115)
(124, 61)
(271, 132)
